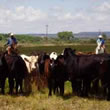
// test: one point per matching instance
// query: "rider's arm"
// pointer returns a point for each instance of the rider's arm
(103, 42)
(9, 42)
(99, 43)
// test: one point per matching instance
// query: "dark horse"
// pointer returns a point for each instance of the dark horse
(3, 72)
(17, 71)
(87, 68)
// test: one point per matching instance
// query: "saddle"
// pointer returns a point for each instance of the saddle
(14, 52)
(11, 59)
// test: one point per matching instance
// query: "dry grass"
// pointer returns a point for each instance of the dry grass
(39, 100)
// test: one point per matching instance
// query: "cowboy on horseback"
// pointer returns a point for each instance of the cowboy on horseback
(11, 43)
(100, 45)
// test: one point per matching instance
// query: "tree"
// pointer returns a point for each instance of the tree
(0, 37)
(104, 36)
(66, 35)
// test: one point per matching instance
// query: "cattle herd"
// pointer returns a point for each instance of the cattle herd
(88, 73)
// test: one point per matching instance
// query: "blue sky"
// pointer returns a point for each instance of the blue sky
(32, 16)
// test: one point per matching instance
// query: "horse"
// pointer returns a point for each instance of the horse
(3, 72)
(17, 71)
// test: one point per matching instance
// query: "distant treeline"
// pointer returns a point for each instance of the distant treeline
(25, 38)
(21, 38)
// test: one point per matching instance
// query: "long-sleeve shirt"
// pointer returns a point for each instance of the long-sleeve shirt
(9, 42)
(14, 40)
(100, 42)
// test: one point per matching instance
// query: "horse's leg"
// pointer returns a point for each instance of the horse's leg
(17, 84)
(21, 83)
(108, 95)
(11, 85)
(3, 85)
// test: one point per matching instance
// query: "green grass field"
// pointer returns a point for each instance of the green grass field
(29, 48)
(39, 100)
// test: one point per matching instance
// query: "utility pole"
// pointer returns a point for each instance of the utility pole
(46, 32)
(99, 31)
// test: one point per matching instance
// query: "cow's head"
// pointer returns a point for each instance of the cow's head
(69, 52)
(34, 60)
(31, 62)
(53, 56)
(60, 59)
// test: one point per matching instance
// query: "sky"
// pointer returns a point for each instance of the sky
(32, 16)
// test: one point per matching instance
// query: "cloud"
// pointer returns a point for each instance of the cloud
(61, 14)
(104, 8)
(83, 20)
(21, 19)
(28, 19)
(29, 14)
(101, 13)
(21, 13)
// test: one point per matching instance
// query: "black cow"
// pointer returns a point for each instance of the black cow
(17, 70)
(59, 74)
(86, 68)
(41, 59)
(55, 72)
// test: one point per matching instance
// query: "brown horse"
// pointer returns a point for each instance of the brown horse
(17, 70)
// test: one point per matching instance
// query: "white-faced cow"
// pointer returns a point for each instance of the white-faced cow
(31, 64)
(53, 55)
